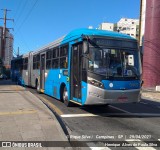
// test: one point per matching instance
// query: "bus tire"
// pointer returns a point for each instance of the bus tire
(65, 97)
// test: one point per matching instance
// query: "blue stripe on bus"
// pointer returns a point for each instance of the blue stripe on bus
(120, 85)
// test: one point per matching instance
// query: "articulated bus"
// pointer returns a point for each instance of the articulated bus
(87, 67)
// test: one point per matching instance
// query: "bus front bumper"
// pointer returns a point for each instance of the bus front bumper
(98, 96)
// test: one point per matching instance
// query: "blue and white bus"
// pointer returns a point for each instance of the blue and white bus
(87, 67)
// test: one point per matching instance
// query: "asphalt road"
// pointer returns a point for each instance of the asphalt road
(118, 122)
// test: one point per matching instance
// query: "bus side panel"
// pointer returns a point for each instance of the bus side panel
(24, 80)
(52, 83)
(63, 79)
(49, 80)
(34, 76)
(54, 80)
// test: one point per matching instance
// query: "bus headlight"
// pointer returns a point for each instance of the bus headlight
(95, 82)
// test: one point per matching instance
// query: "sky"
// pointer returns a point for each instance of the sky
(39, 22)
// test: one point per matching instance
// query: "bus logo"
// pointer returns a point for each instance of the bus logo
(6, 144)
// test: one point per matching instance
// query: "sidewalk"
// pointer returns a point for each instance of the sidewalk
(23, 117)
(151, 94)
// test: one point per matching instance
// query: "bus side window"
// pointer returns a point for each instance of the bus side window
(48, 59)
(55, 58)
(34, 62)
(64, 56)
(25, 64)
(38, 61)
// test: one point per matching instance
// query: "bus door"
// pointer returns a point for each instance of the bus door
(42, 71)
(76, 73)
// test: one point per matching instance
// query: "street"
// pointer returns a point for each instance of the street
(118, 122)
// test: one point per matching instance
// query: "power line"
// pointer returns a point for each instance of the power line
(22, 23)
(27, 16)
(23, 40)
(21, 12)
(17, 9)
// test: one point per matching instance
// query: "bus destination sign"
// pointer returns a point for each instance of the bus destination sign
(115, 43)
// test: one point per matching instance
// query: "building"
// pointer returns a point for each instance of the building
(8, 54)
(125, 25)
(129, 26)
(106, 26)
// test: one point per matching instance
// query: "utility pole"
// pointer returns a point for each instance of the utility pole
(2, 52)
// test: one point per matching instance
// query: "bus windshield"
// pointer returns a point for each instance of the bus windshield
(115, 63)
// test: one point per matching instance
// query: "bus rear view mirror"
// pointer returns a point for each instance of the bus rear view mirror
(85, 47)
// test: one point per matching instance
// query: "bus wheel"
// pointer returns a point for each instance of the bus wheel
(65, 97)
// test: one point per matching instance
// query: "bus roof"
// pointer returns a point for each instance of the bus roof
(73, 35)
(95, 32)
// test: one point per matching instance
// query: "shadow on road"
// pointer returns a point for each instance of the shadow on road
(133, 110)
